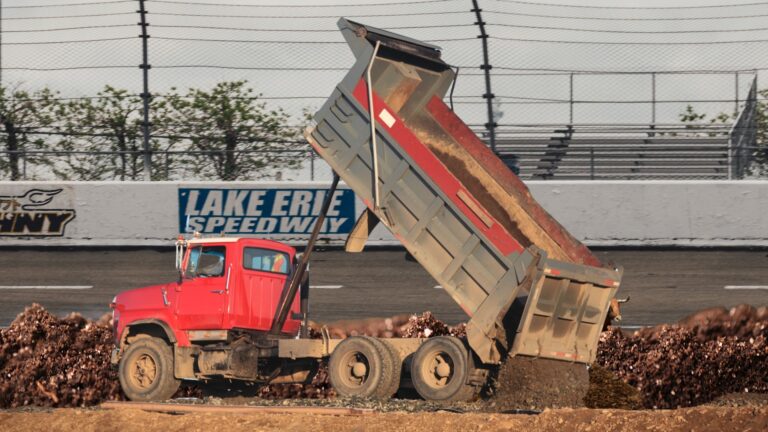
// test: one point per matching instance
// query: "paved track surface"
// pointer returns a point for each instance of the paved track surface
(664, 285)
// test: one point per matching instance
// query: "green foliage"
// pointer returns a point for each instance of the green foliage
(223, 133)
(230, 134)
(108, 123)
(760, 155)
(23, 115)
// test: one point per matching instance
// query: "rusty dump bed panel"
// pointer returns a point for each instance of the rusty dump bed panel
(529, 287)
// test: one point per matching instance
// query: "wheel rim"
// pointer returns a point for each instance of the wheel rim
(438, 369)
(355, 369)
(143, 371)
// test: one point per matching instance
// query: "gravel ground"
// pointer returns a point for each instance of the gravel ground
(708, 418)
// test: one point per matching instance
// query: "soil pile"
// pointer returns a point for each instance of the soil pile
(527, 383)
(708, 354)
(606, 390)
(48, 361)
(409, 326)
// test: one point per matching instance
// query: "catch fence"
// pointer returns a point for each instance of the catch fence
(219, 90)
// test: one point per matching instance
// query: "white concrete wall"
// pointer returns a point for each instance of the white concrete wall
(605, 213)
(659, 213)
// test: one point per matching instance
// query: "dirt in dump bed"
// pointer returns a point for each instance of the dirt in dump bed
(508, 202)
(527, 383)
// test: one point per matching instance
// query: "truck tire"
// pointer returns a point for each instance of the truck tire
(440, 369)
(361, 367)
(394, 372)
(146, 370)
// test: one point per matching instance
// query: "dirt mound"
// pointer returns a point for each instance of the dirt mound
(47, 361)
(606, 390)
(526, 383)
(421, 326)
(710, 354)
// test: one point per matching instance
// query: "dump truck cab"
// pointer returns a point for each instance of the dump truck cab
(223, 284)
(213, 321)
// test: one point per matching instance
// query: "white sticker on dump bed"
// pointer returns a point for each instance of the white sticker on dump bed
(387, 118)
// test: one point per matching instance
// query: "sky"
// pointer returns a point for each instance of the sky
(291, 52)
(516, 47)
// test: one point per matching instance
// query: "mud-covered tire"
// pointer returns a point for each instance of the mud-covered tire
(440, 369)
(393, 372)
(146, 370)
(360, 367)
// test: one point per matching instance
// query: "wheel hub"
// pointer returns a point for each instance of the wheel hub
(443, 370)
(359, 369)
(144, 371)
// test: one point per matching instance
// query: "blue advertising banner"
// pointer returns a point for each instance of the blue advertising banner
(263, 211)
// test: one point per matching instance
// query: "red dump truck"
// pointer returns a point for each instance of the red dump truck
(240, 307)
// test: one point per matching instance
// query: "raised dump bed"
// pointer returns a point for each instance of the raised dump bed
(529, 287)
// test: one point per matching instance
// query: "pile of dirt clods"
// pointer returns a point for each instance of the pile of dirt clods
(50, 361)
(706, 355)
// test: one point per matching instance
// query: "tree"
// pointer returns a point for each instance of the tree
(23, 116)
(105, 133)
(760, 153)
(230, 134)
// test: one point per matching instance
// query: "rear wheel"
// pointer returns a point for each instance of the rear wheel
(146, 370)
(393, 372)
(440, 369)
(361, 366)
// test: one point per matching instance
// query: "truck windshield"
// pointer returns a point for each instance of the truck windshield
(265, 260)
(205, 261)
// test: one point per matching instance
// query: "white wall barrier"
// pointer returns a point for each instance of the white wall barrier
(605, 213)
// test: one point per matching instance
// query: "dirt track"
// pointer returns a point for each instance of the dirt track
(700, 418)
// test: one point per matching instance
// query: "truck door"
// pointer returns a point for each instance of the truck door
(201, 301)
(265, 273)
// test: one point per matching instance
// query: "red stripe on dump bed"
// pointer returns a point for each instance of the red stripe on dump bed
(454, 126)
(435, 169)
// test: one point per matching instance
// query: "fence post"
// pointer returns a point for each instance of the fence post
(653, 99)
(145, 94)
(486, 67)
(736, 94)
(312, 164)
(1, 46)
(570, 98)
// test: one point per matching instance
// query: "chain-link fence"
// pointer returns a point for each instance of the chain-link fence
(215, 89)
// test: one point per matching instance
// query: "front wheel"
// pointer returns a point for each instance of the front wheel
(146, 370)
